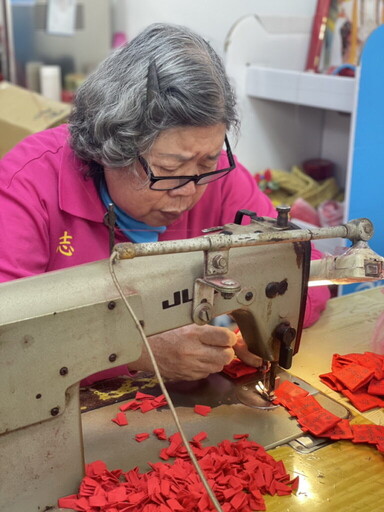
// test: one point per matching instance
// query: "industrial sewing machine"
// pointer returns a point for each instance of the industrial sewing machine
(59, 327)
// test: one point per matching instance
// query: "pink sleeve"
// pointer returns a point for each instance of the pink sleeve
(317, 298)
(24, 241)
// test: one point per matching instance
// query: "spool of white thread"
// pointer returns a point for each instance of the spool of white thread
(50, 82)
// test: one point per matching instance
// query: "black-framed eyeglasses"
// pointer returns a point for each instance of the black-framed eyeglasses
(171, 183)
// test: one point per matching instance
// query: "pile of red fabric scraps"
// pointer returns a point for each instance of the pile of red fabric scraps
(142, 402)
(145, 403)
(360, 377)
(316, 420)
(239, 473)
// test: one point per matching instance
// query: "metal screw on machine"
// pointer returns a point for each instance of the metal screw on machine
(202, 314)
(282, 215)
(112, 358)
(205, 314)
(55, 411)
(248, 296)
(228, 294)
(63, 371)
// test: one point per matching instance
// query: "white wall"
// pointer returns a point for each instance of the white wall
(211, 18)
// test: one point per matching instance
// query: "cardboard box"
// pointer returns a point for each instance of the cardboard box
(23, 112)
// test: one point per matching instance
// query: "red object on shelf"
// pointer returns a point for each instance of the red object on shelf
(317, 38)
(318, 168)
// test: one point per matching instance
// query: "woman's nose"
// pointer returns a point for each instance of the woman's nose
(186, 190)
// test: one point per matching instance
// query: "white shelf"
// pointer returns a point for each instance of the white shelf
(310, 89)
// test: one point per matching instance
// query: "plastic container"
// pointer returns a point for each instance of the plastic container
(50, 82)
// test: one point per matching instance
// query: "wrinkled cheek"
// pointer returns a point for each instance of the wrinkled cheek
(199, 194)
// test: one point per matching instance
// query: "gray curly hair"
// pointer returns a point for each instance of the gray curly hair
(167, 76)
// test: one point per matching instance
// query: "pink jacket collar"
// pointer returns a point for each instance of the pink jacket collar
(77, 194)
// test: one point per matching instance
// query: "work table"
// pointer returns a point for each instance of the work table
(345, 326)
(340, 476)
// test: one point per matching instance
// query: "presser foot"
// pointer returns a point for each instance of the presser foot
(259, 394)
(249, 394)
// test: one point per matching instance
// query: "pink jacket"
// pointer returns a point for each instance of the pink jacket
(51, 217)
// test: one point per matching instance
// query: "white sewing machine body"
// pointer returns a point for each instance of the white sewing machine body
(62, 326)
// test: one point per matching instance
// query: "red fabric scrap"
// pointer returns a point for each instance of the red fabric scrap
(372, 434)
(204, 410)
(143, 396)
(302, 406)
(160, 433)
(374, 362)
(376, 387)
(287, 392)
(141, 437)
(240, 436)
(330, 380)
(199, 437)
(236, 368)
(353, 376)
(342, 430)
(319, 422)
(339, 361)
(363, 401)
(120, 419)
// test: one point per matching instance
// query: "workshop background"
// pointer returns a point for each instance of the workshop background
(311, 106)
(311, 101)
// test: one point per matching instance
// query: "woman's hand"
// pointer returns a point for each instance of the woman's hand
(193, 352)
(242, 352)
(189, 353)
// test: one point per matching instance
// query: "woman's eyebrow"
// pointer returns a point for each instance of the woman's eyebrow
(183, 158)
(176, 156)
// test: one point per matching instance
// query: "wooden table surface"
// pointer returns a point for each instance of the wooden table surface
(341, 477)
(346, 326)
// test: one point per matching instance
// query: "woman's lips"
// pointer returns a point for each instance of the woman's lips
(173, 214)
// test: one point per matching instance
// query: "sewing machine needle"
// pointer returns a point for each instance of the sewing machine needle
(272, 377)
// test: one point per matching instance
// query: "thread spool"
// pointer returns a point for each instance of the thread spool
(50, 82)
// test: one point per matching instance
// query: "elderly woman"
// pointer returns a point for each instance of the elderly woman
(146, 135)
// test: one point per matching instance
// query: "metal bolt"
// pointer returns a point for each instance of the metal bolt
(219, 262)
(228, 282)
(55, 411)
(111, 305)
(282, 215)
(64, 370)
(112, 358)
(38, 396)
(248, 296)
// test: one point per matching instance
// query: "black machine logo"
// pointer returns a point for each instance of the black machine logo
(179, 297)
